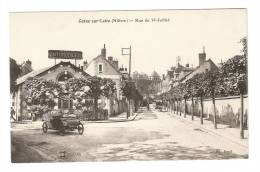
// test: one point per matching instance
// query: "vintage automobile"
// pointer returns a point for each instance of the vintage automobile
(60, 121)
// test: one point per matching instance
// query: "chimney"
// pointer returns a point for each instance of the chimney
(110, 59)
(115, 63)
(103, 51)
(85, 64)
(29, 62)
(187, 65)
(202, 57)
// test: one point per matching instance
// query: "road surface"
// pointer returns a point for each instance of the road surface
(151, 136)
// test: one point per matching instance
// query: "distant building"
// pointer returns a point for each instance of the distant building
(204, 66)
(174, 75)
(26, 67)
(156, 84)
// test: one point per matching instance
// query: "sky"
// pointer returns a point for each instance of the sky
(155, 45)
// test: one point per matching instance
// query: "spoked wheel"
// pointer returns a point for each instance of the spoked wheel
(80, 128)
(44, 127)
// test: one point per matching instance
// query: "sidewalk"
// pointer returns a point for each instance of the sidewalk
(232, 134)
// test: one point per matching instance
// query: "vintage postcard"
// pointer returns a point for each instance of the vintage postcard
(128, 85)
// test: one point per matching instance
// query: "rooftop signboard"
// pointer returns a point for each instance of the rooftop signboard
(62, 54)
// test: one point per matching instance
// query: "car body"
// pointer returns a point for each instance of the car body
(57, 120)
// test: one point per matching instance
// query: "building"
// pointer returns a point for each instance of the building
(26, 67)
(174, 75)
(204, 66)
(59, 73)
(108, 67)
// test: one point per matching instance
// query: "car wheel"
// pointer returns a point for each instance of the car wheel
(80, 128)
(44, 127)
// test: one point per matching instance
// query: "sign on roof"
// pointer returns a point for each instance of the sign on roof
(61, 54)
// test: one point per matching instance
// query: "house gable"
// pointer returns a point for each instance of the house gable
(101, 62)
(52, 73)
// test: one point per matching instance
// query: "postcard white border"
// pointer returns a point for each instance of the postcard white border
(80, 5)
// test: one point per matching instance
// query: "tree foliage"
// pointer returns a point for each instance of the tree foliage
(15, 71)
(229, 80)
(40, 93)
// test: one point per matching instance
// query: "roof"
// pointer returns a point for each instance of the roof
(35, 73)
(207, 61)
(29, 75)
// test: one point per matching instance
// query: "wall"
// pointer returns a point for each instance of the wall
(227, 109)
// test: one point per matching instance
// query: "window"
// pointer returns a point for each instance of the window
(100, 68)
(64, 76)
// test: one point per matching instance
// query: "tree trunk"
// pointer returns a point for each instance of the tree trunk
(180, 107)
(148, 108)
(174, 106)
(95, 108)
(214, 115)
(242, 117)
(192, 113)
(128, 109)
(201, 114)
(185, 106)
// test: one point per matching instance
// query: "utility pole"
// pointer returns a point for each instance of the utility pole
(128, 51)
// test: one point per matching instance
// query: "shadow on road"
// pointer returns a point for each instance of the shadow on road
(169, 152)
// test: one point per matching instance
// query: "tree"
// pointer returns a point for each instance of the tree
(210, 85)
(144, 85)
(40, 94)
(195, 89)
(99, 87)
(191, 92)
(128, 88)
(184, 94)
(15, 71)
(77, 88)
(234, 74)
(137, 98)
(198, 91)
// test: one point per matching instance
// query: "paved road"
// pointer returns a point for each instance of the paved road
(151, 136)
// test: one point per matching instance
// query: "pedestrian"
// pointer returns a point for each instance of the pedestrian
(12, 114)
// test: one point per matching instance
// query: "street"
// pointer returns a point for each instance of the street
(152, 135)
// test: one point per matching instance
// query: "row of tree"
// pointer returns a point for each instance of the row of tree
(229, 80)
(42, 93)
